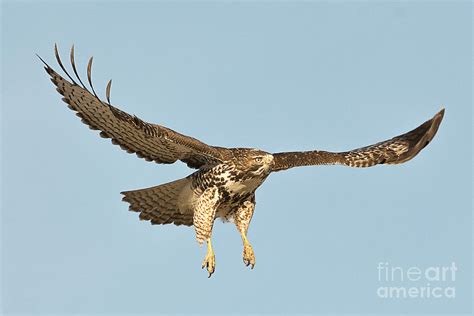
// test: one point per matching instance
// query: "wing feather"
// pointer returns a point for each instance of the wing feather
(149, 141)
(393, 151)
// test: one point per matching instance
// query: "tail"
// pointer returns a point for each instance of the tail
(162, 204)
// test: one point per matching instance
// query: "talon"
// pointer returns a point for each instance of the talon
(248, 255)
(210, 261)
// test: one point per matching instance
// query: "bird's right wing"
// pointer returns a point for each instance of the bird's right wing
(149, 141)
(393, 151)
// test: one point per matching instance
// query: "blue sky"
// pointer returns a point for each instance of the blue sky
(273, 75)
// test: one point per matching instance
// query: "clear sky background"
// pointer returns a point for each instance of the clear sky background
(273, 75)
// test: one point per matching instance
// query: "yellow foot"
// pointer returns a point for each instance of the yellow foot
(248, 256)
(209, 262)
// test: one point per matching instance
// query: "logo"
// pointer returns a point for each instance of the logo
(414, 282)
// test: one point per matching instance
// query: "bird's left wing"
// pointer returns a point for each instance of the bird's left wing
(393, 151)
(149, 141)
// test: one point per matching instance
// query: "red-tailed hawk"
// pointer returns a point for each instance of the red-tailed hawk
(226, 178)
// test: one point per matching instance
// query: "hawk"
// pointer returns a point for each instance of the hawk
(224, 183)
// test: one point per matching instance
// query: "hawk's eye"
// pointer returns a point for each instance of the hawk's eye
(258, 159)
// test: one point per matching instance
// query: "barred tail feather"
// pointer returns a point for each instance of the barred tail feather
(161, 204)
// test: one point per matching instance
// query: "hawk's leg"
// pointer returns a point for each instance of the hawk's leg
(210, 261)
(248, 255)
(203, 220)
(242, 218)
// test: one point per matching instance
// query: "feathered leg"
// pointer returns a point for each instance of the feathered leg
(242, 218)
(203, 220)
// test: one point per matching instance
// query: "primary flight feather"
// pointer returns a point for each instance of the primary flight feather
(226, 178)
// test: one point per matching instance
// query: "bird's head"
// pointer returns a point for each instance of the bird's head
(256, 161)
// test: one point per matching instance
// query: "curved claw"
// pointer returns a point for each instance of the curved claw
(247, 263)
(248, 255)
(209, 263)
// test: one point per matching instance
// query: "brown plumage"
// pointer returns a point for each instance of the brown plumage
(149, 141)
(224, 184)
(393, 151)
(159, 204)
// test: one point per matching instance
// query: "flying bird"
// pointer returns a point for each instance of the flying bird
(224, 183)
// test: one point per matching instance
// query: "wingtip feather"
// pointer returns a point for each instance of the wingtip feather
(73, 64)
(58, 59)
(42, 60)
(107, 91)
(89, 75)
(440, 114)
